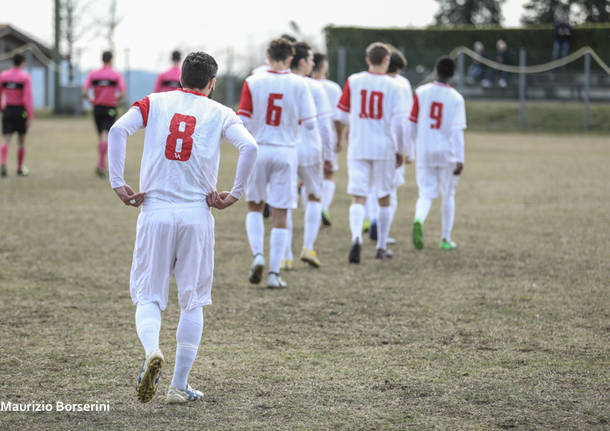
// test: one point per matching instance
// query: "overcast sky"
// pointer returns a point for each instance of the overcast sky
(150, 33)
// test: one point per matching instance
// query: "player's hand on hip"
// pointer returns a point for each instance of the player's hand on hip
(328, 167)
(129, 197)
(459, 167)
(408, 161)
(212, 198)
(225, 199)
(399, 159)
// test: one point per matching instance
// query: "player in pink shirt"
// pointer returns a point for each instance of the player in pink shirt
(108, 90)
(17, 111)
(170, 79)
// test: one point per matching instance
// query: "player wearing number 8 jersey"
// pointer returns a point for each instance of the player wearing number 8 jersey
(438, 121)
(373, 107)
(175, 230)
(272, 105)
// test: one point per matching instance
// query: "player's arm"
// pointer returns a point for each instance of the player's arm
(245, 109)
(457, 135)
(241, 139)
(122, 88)
(325, 127)
(308, 115)
(28, 99)
(85, 90)
(157, 88)
(343, 107)
(127, 125)
(411, 128)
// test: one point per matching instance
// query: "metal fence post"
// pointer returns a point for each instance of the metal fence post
(460, 66)
(341, 65)
(522, 88)
(587, 88)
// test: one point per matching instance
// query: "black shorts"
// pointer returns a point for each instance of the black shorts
(14, 119)
(105, 116)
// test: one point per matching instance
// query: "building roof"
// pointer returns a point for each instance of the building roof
(7, 30)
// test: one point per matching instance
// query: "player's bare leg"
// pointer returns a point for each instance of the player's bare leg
(383, 227)
(6, 140)
(255, 229)
(22, 170)
(188, 337)
(356, 219)
(277, 247)
(102, 150)
(313, 219)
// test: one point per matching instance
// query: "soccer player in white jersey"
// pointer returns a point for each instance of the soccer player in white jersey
(272, 105)
(439, 118)
(175, 230)
(372, 106)
(333, 93)
(314, 151)
(397, 63)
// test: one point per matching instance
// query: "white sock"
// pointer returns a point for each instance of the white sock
(313, 218)
(393, 206)
(288, 252)
(383, 226)
(448, 213)
(373, 207)
(303, 196)
(188, 337)
(255, 228)
(328, 191)
(277, 248)
(422, 208)
(356, 219)
(148, 325)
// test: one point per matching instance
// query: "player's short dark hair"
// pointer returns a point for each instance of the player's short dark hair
(176, 55)
(106, 57)
(198, 69)
(18, 59)
(376, 52)
(397, 61)
(280, 49)
(318, 60)
(445, 67)
(289, 37)
(301, 50)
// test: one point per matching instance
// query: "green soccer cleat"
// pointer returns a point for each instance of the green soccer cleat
(418, 234)
(366, 225)
(326, 218)
(447, 245)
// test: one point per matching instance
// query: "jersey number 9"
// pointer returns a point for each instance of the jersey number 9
(436, 114)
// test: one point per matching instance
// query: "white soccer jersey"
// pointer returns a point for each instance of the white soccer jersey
(315, 143)
(439, 112)
(275, 104)
(407, 93)
(371, 103)
(181, 147)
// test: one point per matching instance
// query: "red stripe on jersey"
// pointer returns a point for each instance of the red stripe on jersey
(344, 102)
(245, 102)
(144, 106)
(415, 109)
(281, 72)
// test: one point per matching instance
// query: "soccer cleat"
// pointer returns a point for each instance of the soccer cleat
(286, 265)
(391, 241)
(266, 211)
(100, 172)
(373, 230)
(354, 253)
(418, 234)
(274, 281)
(310, 257)
(326, 218)
(366, 225)
(3, 171)
(256, 270)
(447, 245)
(148, 379)
(175, 395)
(383, 254)
(23, 172)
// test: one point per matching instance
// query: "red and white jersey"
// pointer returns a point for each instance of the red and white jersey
(371, 102)
(262, 68)
(439, 112)
(275, 104)
(315, 142)
(407, 93)
(333, 93)
(181, 147)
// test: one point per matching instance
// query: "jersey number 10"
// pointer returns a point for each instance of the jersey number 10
(374, 105)
(182, 152)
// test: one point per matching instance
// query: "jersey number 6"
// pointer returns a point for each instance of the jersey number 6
(274, 112)
(181, 128)
(436, 113)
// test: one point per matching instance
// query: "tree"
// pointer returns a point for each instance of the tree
(474, 12)
(579, 11)
(72, 12)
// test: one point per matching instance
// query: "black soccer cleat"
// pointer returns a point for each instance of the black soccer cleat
(266, 211)
(354, 253)
(383, 254)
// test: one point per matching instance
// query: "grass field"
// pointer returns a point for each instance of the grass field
(509, 331)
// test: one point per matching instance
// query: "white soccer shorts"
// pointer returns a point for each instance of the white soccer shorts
(312, 177)
(434, 180)
(366, 175)
(274, 177)
(179, 238)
